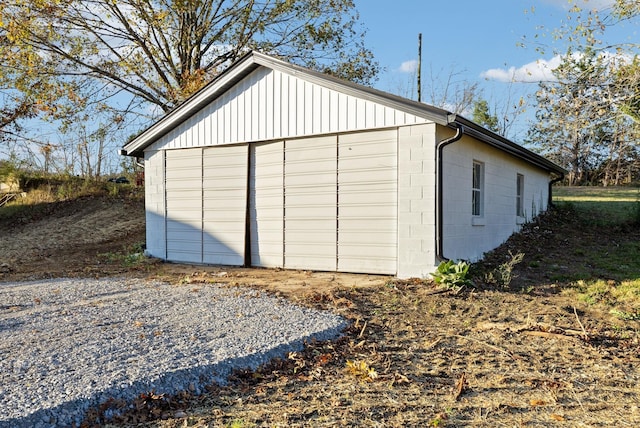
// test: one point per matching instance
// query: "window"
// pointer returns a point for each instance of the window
(520, 195)
(477, 191)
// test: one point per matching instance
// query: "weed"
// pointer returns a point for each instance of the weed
(132, 256)
(452, 275)
(237, 423)
(361, 370)
(503, 274)
(627, 316)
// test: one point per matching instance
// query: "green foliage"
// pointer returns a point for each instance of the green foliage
(452, 275)
(482, 116)
(129, 257)
(503, 274)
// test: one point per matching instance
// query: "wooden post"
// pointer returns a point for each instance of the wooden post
(419, 67)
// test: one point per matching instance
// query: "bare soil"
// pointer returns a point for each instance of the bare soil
(527, 354)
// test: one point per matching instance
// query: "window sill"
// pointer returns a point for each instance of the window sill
(478, 221)
(520, 220)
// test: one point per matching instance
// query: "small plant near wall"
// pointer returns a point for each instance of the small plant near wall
(503, 274)
(452, 275)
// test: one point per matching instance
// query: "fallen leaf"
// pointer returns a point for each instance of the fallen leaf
(538, 403)
(558, 418)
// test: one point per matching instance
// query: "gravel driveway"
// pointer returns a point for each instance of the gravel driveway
(69, 344)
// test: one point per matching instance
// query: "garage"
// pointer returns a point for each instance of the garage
(277, 166)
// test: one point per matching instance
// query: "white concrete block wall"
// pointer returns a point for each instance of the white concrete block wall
(155, 203)
(416, 199)
(466, 238)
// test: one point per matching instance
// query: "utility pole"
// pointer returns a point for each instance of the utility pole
(419, 67)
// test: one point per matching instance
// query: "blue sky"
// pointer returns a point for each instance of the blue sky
(472, 40)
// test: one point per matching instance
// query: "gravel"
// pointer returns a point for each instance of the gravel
(67, 345)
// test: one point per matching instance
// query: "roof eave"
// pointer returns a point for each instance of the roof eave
(182, 112)
(508, 146)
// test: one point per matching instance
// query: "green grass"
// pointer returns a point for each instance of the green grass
(601, 205)
(614, 264)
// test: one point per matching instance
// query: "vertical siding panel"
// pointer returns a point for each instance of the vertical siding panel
(220, 124)
(258, 109)
(255, 111)
(233, 109)
(268, 106)
(317, 111)
(379, 114)
(325, 110)
(308, 108)
(228, 117)
(334, 111)
(181, 138)
(361, 115)
(207, 126)
(370, 120)
(240, 111)
(293, 106)
(343, 115)
(300, 107)
(279, 96)
(389, 116)
(352, 113)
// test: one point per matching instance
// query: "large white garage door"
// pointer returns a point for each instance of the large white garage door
(325, 203)
(367, 202)
(310, 203)
(224, 198)
(183, 184)
(266, 204)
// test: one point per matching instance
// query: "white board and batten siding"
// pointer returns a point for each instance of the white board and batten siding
(271, 105)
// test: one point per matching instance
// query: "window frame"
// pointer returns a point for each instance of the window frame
(477, 189)
(520, 195)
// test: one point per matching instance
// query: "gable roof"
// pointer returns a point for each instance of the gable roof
(253, 60)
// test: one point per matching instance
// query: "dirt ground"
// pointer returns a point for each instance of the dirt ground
(529, 354)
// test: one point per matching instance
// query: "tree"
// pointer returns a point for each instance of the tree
(482, 116)
(161, 51)
(122, 63)
(577, 121)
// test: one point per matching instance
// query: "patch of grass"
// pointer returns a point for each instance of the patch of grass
(601, 206)
(622, 297)
(129, 257)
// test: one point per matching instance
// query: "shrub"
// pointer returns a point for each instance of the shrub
(452, 275)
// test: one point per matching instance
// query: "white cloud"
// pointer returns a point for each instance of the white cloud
(408, 66)
(542, 69)
(585, 4)
(537, 71)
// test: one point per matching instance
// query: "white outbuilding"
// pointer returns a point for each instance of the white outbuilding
(276, 165)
